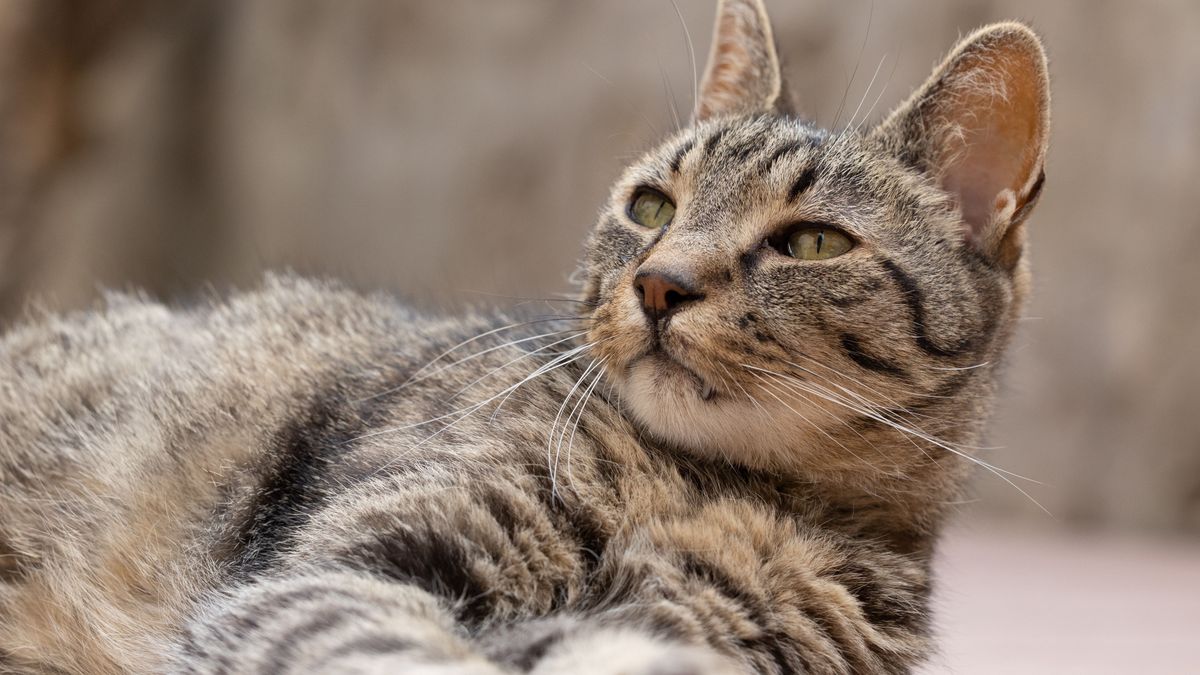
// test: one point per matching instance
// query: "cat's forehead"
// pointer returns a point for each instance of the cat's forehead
(760, 148)
(776, 167)
(746, 145)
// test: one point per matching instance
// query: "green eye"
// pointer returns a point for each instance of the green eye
(651, 208)
(818, 243)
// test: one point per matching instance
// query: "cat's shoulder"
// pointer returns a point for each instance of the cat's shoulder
(134, 354)
(280, 305)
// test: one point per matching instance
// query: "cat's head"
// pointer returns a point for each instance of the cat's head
(779, 295)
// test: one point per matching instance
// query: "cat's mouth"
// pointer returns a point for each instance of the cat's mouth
(667, 366)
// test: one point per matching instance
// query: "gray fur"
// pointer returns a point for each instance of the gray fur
(305, 479)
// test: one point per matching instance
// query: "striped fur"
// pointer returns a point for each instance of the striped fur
(305, 479)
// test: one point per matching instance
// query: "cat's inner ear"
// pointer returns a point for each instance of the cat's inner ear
(743, 74)
(980, 126)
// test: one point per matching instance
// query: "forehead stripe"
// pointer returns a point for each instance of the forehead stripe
(711, 143)
(742, 153)
(780, 152)
(682, 152)
(802, 183)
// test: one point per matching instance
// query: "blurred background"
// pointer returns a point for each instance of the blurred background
(455, 151)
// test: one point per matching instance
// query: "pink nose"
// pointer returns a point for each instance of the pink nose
(662, 293)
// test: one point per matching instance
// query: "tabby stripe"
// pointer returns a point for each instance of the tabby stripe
(277, 658)
(683, 150)
(844, 301)
(429, 556)
(608, 469)
(198, 655)
(710, 145)
(373, 644)
(581, 524)
(774, 643)
(854, 349)
(276, 602)
(294, 483)
(895, 607)
(780, 152)
(915, 299)
(528, 657)
(297, 477)
(802, 183)
(921, 404)
(754, 608)
(744, 151)
(846, 646)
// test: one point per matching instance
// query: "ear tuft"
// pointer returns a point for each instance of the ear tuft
(743, 75)
(980, 125)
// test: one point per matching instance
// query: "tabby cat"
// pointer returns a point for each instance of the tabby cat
(733, 454)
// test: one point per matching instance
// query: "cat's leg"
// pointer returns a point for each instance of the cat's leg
(336, 622)
(752, 588)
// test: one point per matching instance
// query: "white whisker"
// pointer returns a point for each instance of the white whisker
(882, 90)
(582, 407)
(977, 365)
(810, 423)
(574, 353)
(747, 394)
(687, 36)
(489, 350)
(551, 460)
(470, 408)
(510, 362)
(467, 411)
(670, 93)
(861, 50)
(449, 351)
(790, 383)
(1003, 474)
(866, 93)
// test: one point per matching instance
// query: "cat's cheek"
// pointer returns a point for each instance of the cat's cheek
(620, 331)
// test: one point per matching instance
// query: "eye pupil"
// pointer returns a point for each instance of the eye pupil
(817, 243)
(651, 208)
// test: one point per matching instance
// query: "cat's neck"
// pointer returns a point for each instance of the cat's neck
(904, 513)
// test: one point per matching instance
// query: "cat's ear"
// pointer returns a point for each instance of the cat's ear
(980, 125)
(743, 74)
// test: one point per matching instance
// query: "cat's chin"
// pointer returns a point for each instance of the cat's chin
(677, 406)
(670, 374)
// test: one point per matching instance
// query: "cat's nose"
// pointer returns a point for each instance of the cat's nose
(663, 293)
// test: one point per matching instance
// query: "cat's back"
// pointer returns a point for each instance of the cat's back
(123, 430)
(139, 368)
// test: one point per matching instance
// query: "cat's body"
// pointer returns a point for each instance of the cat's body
(727, 457)
(235, 427)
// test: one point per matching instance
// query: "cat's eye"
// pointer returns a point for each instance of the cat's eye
(651, 208)
(818, 243)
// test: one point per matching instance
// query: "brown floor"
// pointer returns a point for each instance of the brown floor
(1016, 600)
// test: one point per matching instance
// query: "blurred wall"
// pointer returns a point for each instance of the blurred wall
(456, 149)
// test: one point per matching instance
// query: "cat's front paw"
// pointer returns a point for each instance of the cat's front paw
(372, 665)
(628, 653)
